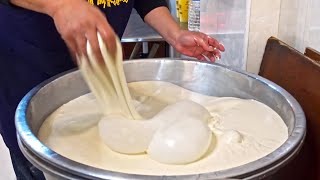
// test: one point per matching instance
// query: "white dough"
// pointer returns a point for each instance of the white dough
(173, 136)
(243, 131)
(127, 136)
(183, 140)
(107, 80)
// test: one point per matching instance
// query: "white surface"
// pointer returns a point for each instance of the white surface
(299, 24)
(6, 168)
(296, 22)
(264, 21)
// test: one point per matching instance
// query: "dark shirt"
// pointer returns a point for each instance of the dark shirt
(31, 51)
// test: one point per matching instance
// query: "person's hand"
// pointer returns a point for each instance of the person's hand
(198, 45)
(77, 21)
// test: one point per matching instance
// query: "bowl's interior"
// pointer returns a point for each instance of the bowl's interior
(208, 79)
(198, 77)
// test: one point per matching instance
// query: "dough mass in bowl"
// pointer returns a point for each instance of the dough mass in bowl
(243, 131)
(155, 127)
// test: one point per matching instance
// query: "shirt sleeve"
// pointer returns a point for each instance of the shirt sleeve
(143, 7)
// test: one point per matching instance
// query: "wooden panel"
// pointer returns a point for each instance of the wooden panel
(300, 77)
(312, 54)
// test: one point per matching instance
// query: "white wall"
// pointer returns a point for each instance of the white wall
(264, 21)
(300, 24)
(295, 22)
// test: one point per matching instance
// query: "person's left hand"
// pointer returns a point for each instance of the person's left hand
(198, 45)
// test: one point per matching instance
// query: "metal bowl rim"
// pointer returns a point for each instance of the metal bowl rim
(45, 153)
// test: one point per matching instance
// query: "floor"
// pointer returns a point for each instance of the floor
(6, 170)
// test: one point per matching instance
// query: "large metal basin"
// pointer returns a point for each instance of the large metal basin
(209, 79)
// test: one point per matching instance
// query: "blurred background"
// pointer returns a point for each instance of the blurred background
(243, 26)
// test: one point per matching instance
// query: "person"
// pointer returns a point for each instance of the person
(39, 39)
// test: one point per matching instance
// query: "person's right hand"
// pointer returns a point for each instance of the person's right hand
(78, 21)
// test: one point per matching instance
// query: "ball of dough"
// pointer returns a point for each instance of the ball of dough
(126, 136)
(180, 142)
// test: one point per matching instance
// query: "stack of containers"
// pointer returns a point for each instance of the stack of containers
(188, 11)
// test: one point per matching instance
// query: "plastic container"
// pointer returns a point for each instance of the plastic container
(177, 9)
(194, 15)
(183, 9)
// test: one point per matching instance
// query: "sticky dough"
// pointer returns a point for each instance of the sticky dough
(107, 80)
(207, 133)
(243, 131)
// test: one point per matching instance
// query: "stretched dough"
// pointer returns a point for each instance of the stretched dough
(107, 80)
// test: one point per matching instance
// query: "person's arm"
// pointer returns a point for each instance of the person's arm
(195, 44)
(76, 20)
(36, 5)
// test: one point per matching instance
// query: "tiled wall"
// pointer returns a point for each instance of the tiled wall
(314, 21)
(300, 24)
(264, 20)
(295, 22)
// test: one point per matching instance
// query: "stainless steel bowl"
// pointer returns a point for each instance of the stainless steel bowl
(205, 78)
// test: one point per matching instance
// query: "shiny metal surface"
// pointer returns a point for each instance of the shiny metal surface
(205, 78)
(138, 31)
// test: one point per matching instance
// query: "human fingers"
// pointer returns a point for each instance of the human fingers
(80, 41)
(202, 41)
(217, 54)
(215, 43)
(209, 56)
